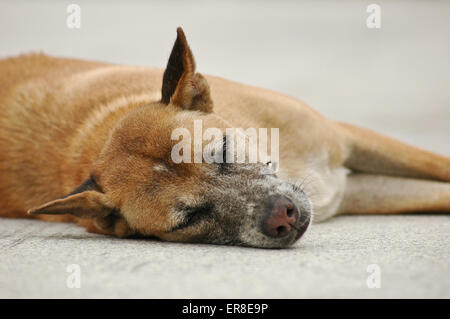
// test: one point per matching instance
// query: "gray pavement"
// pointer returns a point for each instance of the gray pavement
(329, 262)
(394, 80)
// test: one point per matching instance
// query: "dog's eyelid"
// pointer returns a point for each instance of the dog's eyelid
(223, 166)
(192, 214)
(224, 150)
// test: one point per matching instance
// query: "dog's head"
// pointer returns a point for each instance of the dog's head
(139, 186)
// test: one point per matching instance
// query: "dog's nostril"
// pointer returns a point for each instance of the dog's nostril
(282, 231)
(281, 215)
(290, 212)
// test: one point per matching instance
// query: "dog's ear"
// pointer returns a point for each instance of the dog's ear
(181, 85)
(88, 204)
(86, 201)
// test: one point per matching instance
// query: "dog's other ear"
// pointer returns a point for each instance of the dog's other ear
(181, 85)
(88, 204)
(86, 201)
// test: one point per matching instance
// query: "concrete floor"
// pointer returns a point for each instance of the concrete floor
(329, 262)
(394, 80)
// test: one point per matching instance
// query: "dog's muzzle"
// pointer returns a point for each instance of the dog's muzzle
(283, 217)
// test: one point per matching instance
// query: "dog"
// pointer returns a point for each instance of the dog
(91, 143)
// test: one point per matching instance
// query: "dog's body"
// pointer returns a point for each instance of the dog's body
(57, 115)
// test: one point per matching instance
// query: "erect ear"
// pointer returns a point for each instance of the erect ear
(86, 201)
(181, 85)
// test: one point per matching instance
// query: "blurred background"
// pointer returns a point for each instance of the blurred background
(394, 79)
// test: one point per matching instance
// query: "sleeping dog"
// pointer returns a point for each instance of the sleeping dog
(93, 143)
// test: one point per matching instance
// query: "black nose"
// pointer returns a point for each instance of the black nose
(281, 216)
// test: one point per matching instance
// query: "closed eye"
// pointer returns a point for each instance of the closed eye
(224, 166)
(193, 215)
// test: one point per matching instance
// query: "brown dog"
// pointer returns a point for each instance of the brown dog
(102, 134)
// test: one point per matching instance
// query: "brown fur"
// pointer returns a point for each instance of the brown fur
(62, 120)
